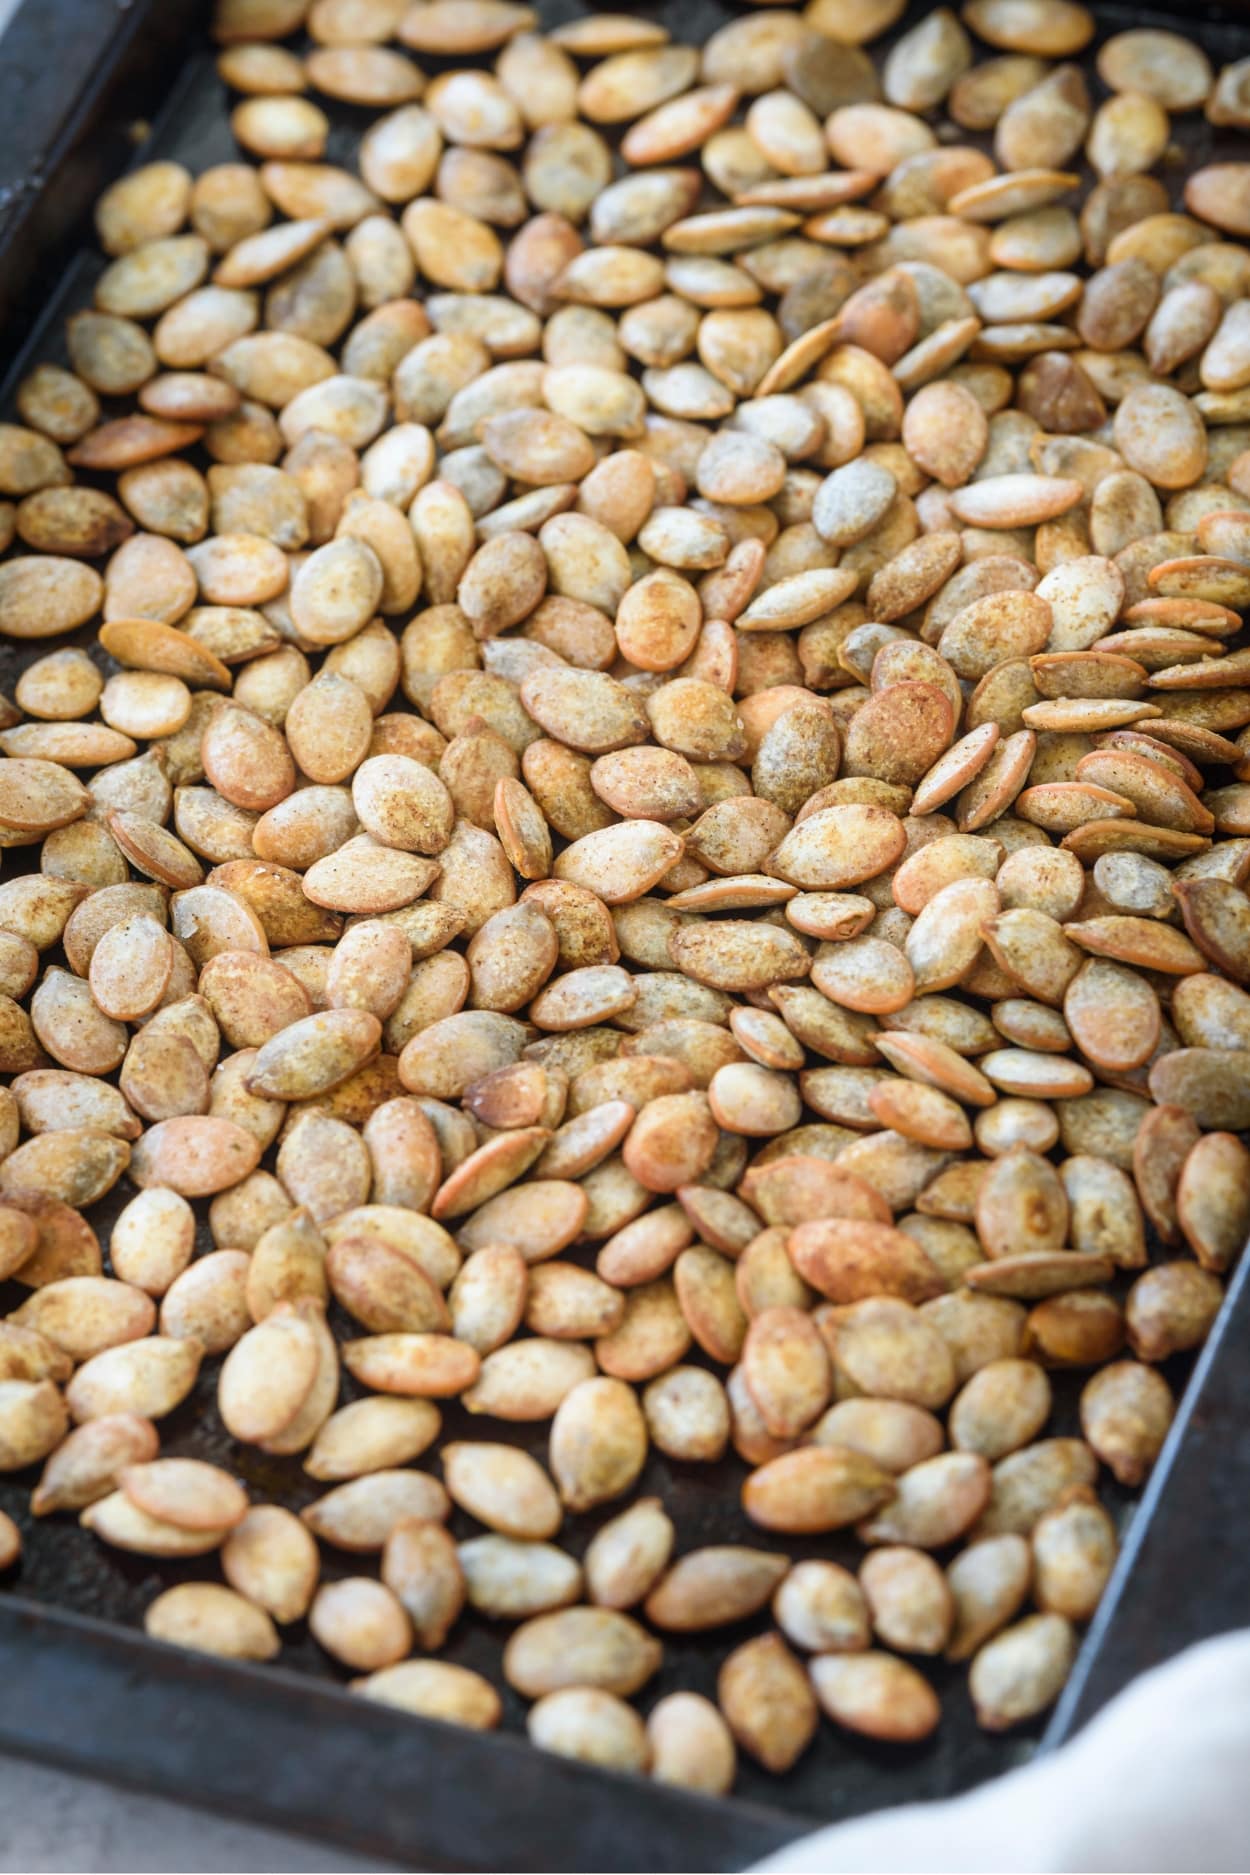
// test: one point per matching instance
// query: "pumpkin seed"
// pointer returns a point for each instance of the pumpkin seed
(714, 1587)
(434, 1689)
(875, 1694)
(361, 1623)
(1022, 1670)
(988, 1583)
(591, 1725)
(765, 1698)
(270, 1558)
(591, 1647)
(1074, 1549)
(363, 1514)
(598, 1442)
(690, 1744)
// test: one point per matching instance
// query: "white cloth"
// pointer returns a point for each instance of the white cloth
(1159, 1781)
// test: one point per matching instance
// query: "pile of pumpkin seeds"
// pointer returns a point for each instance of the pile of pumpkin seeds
(657, 820)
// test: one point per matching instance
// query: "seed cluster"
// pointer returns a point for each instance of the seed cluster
(666, 822)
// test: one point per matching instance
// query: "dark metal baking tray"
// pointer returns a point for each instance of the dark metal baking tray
(287, 1746)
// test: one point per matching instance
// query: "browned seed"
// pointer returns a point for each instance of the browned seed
(691, 1745)
(194, 1155)
(816, 1488)
(1075, 1549)
(581, 1647)
(503, 1576)
(1159, 1154)
(363, 1514)
(988, 1581)
(1029, 1482)
(1022, 1670)
(210, 1619)
(1077, 1328)
(714, 1587)
(592, 1726)
(146, 1376)
(1211, 1199)
(848, 1259)
(1126, 1410)
(875, 1694)
(765, 1698)
(185, 1492)
(1171, 1307)
(361, 1623)
(628, 1554)
(434, 1689)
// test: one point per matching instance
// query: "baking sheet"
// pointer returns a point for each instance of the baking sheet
(381, 1781)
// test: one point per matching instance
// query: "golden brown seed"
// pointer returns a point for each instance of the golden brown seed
(1022, 1671)
(503, 1577)
(936, 1501)
(361, 1623)
(875, 1694)
(434, 1689)
(628, 1554)
(592, 1726)
(503, 1488)
(1074, 1549)
(890, 1351)
(988, 1582)
(691, 1746)
(1029, 1482)
(598, 1442)
(767, 1702)
(714, 1587)
(85, 1466)
(817, 1488)
(580, 1647)
(786, 1370)
(185, 1492)
(213, 1620)
(362, 1514)
(272, 1560)
(149, 1377)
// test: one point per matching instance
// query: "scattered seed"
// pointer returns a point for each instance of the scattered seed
(1021, 1672)
(876, 1695)
(767, 1702)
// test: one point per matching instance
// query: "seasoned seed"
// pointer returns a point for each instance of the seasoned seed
(1074, 1549)
(988, 1583)
(591, 1725)
(714, 1587)
(363, 1514)
(690, 1744)
(361, 1623)
(213, 1620)
(580, 1647)
(598, 1442)
(875, 1694)
(628, 1554)
(86, 1465)
(185, 1492)
(1022, 1671)
(767, 1702)
(149, 1377)
(434, 1689)
(816, 1488)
